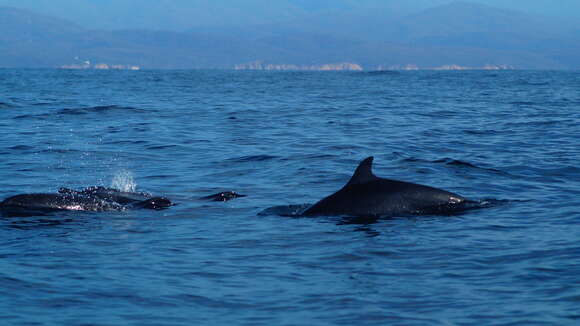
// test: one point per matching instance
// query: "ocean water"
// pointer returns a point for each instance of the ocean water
(286, 139)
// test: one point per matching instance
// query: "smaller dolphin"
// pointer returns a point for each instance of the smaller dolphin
(73, 200)
(368, 195)
(53, 202)
(109, 194)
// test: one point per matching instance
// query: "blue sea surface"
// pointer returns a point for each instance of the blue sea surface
(287, 139)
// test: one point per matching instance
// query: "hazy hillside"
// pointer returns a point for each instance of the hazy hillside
(176, 15)
(181, 15)
(462, 34)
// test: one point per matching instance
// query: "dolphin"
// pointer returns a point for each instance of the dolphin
(53, 202)
(75, 201)
(124, 197)
(109, 194)
(368, 195)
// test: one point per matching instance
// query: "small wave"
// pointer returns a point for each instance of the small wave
(97, 109)
(31, 116)
(4, 105)
(538, 123)
(488, 203)
(125, 142)
(252, 158)
(20, 148)
(523, 103)
(532, 83)
(555, 174)
(485, 132)
(80, 111)
(60, 151)
(316, 156)
(358, 220)
(452, 162)
(41, 103)
(41, 220)
(15, 284)
(285, 210)
(158, 147)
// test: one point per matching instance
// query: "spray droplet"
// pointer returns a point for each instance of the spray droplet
(124, 181)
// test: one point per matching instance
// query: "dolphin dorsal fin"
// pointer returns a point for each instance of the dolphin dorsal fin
(363, 173)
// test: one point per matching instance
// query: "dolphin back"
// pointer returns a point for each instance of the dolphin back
(368, 195)
(49, 201)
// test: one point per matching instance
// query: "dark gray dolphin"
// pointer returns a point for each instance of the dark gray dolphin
(75, 201)
(368, 195)
(109, 194)
(124, 198)
(51, 202)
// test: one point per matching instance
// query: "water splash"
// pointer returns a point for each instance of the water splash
(124, 181)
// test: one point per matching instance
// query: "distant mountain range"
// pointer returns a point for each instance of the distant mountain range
(460, 34)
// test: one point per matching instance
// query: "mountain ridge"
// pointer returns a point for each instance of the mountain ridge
(35, 40)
